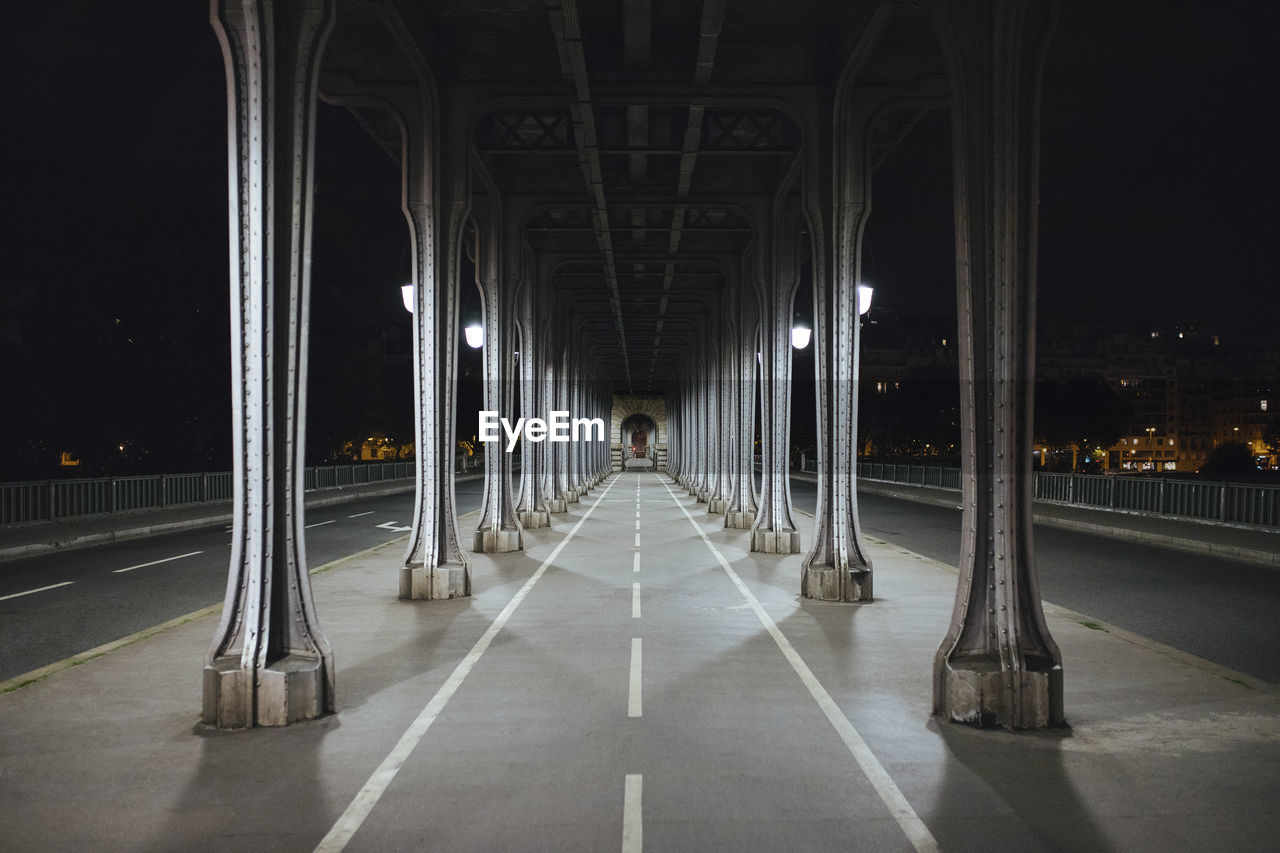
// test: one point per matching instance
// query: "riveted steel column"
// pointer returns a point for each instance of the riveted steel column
(532, 507)
(499, 530)
(742, 505)
(269, 663)
(775, 531)
(724, 427)
(998, 665)
(837, 567)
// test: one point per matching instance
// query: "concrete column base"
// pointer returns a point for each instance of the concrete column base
(571, 495)
(289, 691)
(497, 541)
(419, 583)
(535, 518)
(977, 691)
(702, 496)
(557, 505)
(717, 506)
(824, 585)
(739, 520)
(776, 541)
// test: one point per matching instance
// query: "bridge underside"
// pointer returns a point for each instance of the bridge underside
(636, 192)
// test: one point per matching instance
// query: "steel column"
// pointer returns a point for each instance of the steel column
(269, 663)
(998, 665)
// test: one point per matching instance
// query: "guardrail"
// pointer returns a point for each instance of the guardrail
(1228, 503)
(47, 500)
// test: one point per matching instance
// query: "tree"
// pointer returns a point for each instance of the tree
(1083, 412)
(1229, 461)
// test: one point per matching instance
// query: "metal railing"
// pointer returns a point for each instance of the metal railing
(47, 500)
(1228, 503)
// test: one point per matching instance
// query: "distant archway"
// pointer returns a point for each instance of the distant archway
(638, 434)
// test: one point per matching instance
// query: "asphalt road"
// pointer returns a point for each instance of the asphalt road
(1218, 609)
(188, 571)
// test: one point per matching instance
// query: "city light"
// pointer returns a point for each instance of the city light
(406, 293)
(864, 298)
(800, 335)
(475, 335)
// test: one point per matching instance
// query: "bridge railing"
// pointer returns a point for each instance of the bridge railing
(1228, 503)
(47, 500)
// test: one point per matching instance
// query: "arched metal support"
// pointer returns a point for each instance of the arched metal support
(998, 665)
(269, 664)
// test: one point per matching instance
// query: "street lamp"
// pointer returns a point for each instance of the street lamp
(1151, 446)
(864, 298)
(800, 334)
(406, 294)
(475, 335)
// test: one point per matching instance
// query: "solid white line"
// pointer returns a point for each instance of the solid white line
(632, 823)
(635, 562)
(635, 601)
(880, 779)
(320, 523)
(30, 591)
(633, 695)
(155, 562)
(359, 514)
(368, 797)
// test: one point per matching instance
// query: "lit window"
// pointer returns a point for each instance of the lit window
(1264, 405)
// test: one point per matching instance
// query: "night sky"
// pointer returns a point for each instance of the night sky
(1159, 193)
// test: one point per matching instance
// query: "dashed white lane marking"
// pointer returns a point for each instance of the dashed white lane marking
(30, 591)
(321, 523)
(355, 814)
(632, 814)
(635, 562)
(635, 601)
(637, 524)
(633, 693)
(919, 835)
(361, 514)
(637, 539)
(155, 562)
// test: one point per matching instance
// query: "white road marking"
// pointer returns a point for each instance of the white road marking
(633, 695)
(637, 539)
(632, 814)
(360, 514)
(321, 523)
(156, 562)
(635, 601)
(635, 562)
(918, 834)
(637, 524)
(392, 526)
(30, 591)
(351, 819)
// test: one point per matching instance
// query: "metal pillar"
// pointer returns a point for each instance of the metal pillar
(269, 663)
(741, 513)
(998, 665)
(499, 530)
(837, 566)
(775, 531)
(532, 507)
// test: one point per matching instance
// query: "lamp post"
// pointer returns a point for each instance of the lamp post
(1151, 446)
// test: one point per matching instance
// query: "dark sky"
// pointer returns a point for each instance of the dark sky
(1159, 202)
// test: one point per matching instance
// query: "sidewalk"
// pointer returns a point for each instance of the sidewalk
(1259, 546)
(1164, 751)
